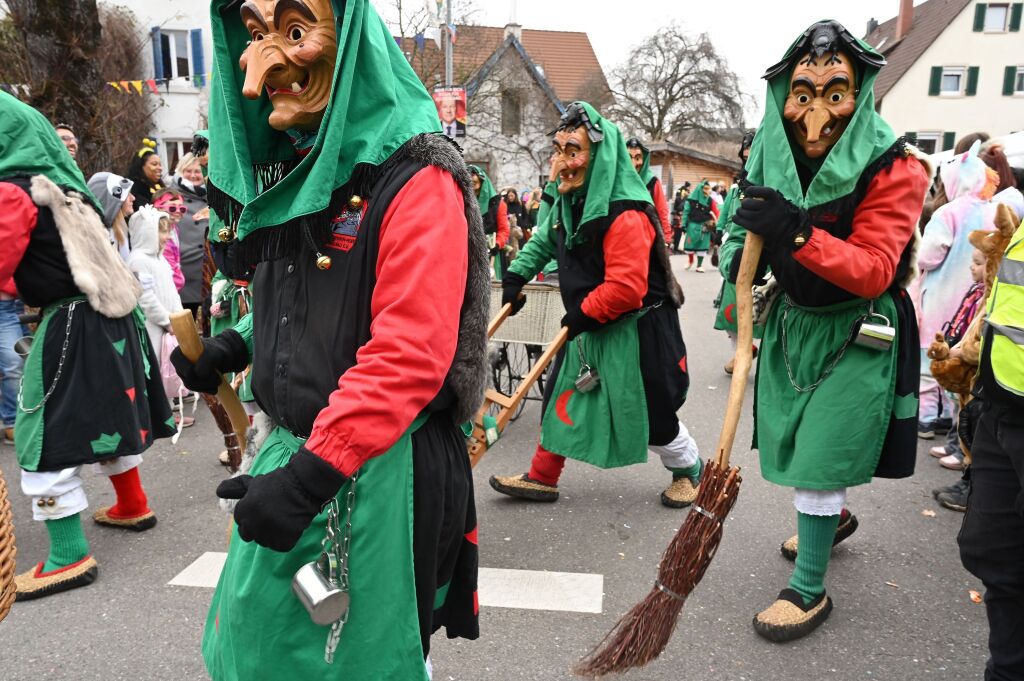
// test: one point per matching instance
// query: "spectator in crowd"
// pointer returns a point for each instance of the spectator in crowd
(67, 135)
(118, 202)
(146, 171)
(192, 230)
(170, 201)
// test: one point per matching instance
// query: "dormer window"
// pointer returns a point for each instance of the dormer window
(997, 18)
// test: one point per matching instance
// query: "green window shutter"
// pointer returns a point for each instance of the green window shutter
(972, 80)
(979, 17)
(1009, 80)
(936, 81)
(911, 137)
(948, 140)
(1015, 12)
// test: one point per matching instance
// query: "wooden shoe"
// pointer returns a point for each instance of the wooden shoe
(788, 619)
(140, 523)
(680, 494)
(35, 583)
(524, 487)
(843, 532)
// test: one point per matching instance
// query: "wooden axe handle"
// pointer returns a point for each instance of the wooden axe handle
(744, 357)
(192, 347)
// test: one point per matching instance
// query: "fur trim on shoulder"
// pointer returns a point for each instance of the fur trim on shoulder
(468, 374)
(912, 270)
(96, 267)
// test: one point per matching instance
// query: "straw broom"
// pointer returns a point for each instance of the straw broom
(642, 634)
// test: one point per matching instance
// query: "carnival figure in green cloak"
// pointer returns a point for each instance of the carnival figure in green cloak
(621, 378)
(494, 212)
(367, 343)
(699, 215)
(640, 155)
(836, 198)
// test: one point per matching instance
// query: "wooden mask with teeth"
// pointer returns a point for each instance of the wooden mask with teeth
(290, 59)
(822, 98)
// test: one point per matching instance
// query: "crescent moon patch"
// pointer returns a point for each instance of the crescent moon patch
(562, 405)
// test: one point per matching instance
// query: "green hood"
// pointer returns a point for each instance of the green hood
(487, 191)
(698, 194)
(646, 174)
(611, 178)
(257, 182)
(774, 157)
(29, 146)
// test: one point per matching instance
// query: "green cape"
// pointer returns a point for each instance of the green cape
(377, 104)
(487, 190)
(610, 177)
(29, 146)
(773, 156)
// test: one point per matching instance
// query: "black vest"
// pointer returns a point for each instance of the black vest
(491, 216)
(581, 269)
(699, 212)
(836, 218)
(43, 276)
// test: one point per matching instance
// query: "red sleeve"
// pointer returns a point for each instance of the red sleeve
(883, 225)
(714, 210)
(415, 310)
(661, 205)
(502, 236)
(17, 220)
(627, 248)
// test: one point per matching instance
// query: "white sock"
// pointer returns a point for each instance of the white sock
(680, 453)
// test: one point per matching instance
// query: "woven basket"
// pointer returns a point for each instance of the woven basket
(7, 552)
(539, 320)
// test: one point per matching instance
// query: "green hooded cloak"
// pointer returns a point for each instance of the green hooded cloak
(257, 183)
(774, 154)
(487, 190)
(645, 172)
(29, 146)
(610, 177)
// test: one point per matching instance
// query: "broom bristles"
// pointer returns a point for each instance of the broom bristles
(642, 634)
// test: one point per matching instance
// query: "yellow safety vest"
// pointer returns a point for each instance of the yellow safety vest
(1005, 320)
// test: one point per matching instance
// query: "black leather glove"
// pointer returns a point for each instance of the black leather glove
(494, 251)
(274, 510)
(578, 322)
(224, 353)
(511, 287)
(766, 212)
(734, 268)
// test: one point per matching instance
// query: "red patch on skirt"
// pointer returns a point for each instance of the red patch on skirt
(730, 313)
(131, 394)
(682, 364)
(471, 537)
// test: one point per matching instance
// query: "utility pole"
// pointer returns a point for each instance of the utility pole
(448, 70)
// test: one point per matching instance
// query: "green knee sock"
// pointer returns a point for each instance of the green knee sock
(67, 542)
(693, 472)
(700, 261)
(816, 533)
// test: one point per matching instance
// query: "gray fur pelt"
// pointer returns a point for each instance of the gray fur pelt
(97, 269)
(257, 434)
(467, 376)
(675, 290)
(915, 240)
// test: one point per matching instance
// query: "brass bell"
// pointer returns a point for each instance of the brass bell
(323, 262)
(356, 202)
(225, 234)
(41, 503)
(51, 501)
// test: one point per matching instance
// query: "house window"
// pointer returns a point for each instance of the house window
(175, 54)
(511, 113)
(1018, 87)
(996, 17)
(952, 80)
(928, 142)
(173, 151)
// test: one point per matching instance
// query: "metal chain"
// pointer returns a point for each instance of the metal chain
(341, 549)
(835, 360)
(60, 366)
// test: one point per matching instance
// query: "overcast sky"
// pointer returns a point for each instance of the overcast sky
(752, 34)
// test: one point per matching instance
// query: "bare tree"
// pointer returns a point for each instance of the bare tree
(676, 82)
(65, 52)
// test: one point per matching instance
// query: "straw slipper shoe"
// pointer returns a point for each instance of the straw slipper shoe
(788, 618)
(35, 583)
(139, 523)
(524, 487)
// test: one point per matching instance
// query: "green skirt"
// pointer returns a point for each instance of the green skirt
(727, 318)
(697, 239)
(830, 437)
(256, 627)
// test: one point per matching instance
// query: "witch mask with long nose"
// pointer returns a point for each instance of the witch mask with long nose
(290, 59)
(822, 99)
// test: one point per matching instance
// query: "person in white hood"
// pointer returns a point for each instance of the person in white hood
(149, 230)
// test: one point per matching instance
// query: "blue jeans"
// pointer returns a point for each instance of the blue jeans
(10, 363)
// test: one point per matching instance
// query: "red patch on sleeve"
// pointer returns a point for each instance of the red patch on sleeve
(471, 537)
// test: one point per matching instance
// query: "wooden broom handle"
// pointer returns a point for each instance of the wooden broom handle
(744, 357)
(192, 347)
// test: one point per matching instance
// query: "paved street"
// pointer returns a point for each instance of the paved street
(902, 607)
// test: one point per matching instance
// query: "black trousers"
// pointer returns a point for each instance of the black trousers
(992, 537)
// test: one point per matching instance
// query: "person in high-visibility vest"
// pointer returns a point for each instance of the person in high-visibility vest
(992, 538)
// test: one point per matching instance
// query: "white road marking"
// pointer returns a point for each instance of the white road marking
(499, 588)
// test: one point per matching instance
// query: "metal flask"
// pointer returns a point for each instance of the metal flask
(587, 380)
(876, 336)
(317, 588)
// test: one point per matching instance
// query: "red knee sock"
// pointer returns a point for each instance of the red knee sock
(131, 498)
(690, 256)
(546, 467)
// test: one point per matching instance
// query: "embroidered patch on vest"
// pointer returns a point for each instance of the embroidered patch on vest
(345, 229)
